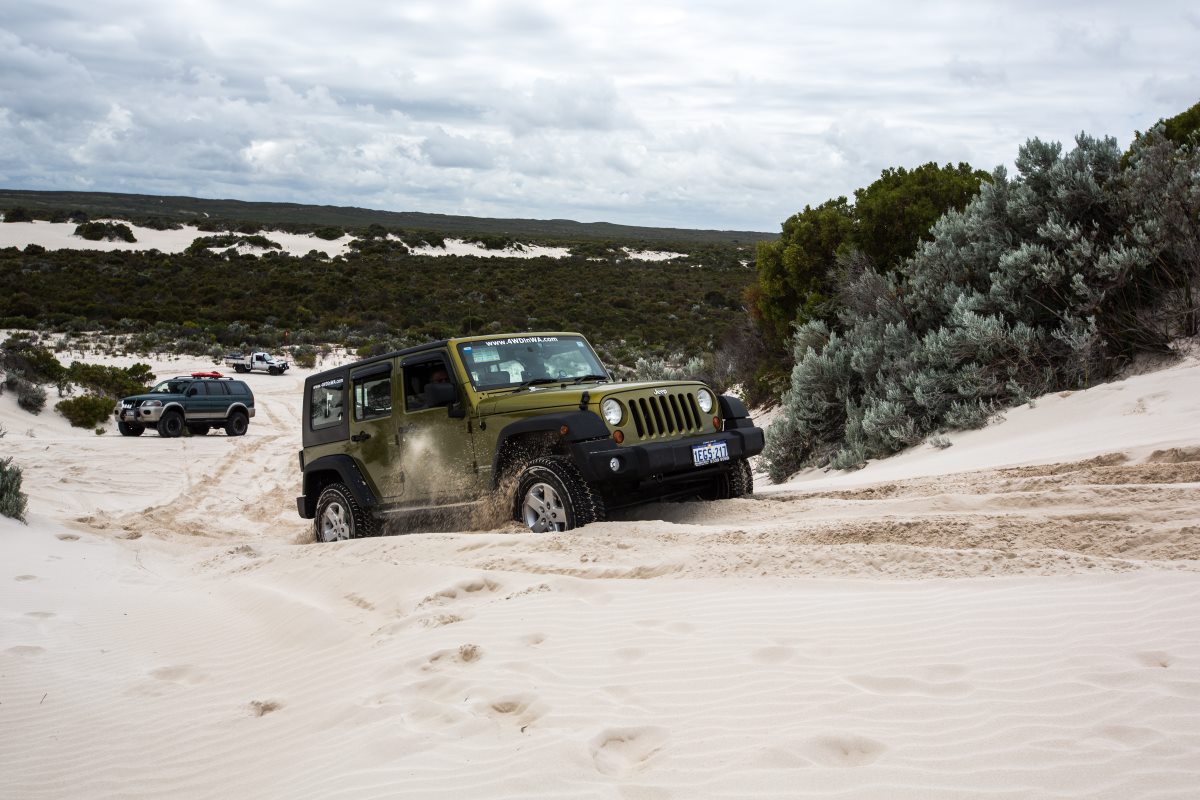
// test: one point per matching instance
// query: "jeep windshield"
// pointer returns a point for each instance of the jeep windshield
(519, 361)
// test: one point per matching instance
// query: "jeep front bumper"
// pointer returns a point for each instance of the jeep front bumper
(670, 461)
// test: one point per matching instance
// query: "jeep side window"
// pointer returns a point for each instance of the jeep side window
(372, 396)
(417, 378)
(327, 404)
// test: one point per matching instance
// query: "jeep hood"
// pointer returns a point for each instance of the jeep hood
(553, 396)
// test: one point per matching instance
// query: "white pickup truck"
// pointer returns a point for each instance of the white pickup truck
(257, 362)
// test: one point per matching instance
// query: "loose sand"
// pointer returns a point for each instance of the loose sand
(1015, 616)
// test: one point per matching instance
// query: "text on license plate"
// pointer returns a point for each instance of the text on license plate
(709, 453)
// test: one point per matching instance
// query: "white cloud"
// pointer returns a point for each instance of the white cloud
(696, 114)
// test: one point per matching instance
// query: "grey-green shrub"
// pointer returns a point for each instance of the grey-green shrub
(12, 500)
(1046, 281)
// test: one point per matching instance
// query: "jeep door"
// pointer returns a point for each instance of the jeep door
(373, 427)
(436, 452)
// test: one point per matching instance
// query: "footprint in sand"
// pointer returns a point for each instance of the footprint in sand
(1154, 658)
(933, 681)
(618, 751)
(519, 709)
(772, 655)
(182, 674)
(26, 578)
(66, 537)
(260, 708)
(845, 750)
(460, 591)
(41, 614)
(26, 650)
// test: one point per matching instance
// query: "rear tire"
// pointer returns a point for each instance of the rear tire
(239, 368)
(170, 425)
(340, 517)
(131, 428)
(552, 496)
(237, 424)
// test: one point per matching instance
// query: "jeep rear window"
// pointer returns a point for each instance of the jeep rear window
(508, 362)
(327, 404)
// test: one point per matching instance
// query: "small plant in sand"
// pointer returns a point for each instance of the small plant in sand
(86, 411)
(12, 500)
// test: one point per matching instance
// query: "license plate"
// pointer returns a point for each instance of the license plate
(709, 453)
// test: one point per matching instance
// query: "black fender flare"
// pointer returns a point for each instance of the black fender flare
(347, 472)
(581, 426)
(731, 407)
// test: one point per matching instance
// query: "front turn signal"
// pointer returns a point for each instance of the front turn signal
(717, 423)
(618, 437)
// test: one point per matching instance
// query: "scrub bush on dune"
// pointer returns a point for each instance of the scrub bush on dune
(85, 411)
(1047, 281)
(12, 499)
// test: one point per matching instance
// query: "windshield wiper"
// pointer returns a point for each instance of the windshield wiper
(537, 382)
(583, 378)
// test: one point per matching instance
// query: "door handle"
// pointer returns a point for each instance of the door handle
(361, 436)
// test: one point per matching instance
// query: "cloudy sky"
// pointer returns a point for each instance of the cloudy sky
(700, 114)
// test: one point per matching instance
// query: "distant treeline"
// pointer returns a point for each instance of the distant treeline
(381, 293)
(229, 215)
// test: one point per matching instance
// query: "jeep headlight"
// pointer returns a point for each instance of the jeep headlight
(705, 399)
(612, 411)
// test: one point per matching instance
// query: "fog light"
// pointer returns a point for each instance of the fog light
(614, 464)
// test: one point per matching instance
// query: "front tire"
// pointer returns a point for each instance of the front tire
(737, 482)
(340, 517)
(131, 428)
(552, 496)
(170, 425)
(237, 424)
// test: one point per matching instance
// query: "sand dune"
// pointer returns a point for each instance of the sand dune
(1015, 616)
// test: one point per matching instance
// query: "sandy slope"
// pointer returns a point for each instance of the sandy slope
(1015, 616)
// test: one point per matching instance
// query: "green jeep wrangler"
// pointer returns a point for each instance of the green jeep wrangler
(533, 419)
(195, 402)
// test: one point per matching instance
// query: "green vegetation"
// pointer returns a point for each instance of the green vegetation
(203, 243)
(105, 231)
(12, 500)
(376, 297)
(18, 214)
(797, 274)
(228, 215)
(1047, 281)
(85, 411)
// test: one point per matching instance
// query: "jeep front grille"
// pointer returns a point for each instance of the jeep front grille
(665, 415)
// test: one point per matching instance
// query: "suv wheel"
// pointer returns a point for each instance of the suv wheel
(170, 425)
(340, 517)
(131, 428)
(237, 423)
(737, 482)
(553, 496)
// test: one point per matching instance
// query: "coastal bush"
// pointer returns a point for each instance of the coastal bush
(110, 382)
(105, 231)
(12, 500)
(30, 396)
(305, 356)
(18, 214)
(24, 354)
(85, 411)
(1046, 281)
